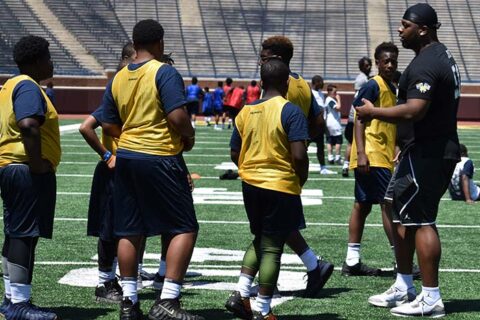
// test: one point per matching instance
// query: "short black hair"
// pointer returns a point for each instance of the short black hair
(29, 49)
(229, 81)
(274, 73)
(463, 150)
(147, 32)
(385, 47)
(194, 80)
(281, 46)
(363, 60)
(317, 79)
(206, 89)
(253, 83)
(128, 50)
(220, 84)
(167, 58)
(330, 87)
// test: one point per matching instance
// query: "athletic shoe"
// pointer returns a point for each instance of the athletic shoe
(326, 171)
(345, 172)
(360, 269)
(420, 308)
(147, 276)
(258, 316)
(170, 309)
(28, 311)
(239, 306)
(393, 297)
(130, 311)
(415, 272)
(339, 161)
(317, 278)
(4, 306)
(331, 161)
(109, 291)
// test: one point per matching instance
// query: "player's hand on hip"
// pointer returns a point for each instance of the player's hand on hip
(190, 182)
(111, 162)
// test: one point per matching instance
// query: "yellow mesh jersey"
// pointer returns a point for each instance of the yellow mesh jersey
(11, 146)
(145, 128)
(299, 93)
(379, 135)
(265, 159)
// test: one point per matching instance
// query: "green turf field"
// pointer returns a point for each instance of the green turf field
(223, 226)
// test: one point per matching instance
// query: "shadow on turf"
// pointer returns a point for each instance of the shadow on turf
(75, 313)
(219, 314)
(462, 306)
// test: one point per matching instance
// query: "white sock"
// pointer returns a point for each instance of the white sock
(330, 157)
(309, 259)
(337, 157)
(162, 268)
(20, 292)
(346, 164)
(262, 304)
(431, 294)
(129, 287)
(6, 283)
(404, 282)
(104, 276)
(353, 254)
(171, 290)
(140, 267)
(193, 124)
(244, 285)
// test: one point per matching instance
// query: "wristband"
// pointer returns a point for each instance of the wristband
(106, 156)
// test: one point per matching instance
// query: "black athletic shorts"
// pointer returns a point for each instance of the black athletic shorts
(371, 187)
(334, 140)
(192, 107)
(152, 197)
(231, 111)
(100, 209)
(28, 201)
(349, 132)
(416, 187)
(272, 212)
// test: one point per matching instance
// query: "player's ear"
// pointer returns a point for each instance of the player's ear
(423, 30)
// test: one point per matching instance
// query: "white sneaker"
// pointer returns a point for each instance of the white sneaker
(393, 297)
(326, 171)
(218, 128)
(420, 308)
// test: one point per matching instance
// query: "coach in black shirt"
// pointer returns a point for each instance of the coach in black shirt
(429, 91)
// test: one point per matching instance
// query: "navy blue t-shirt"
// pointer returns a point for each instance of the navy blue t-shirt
(293, 122)
(371, 92)
(468, 169)
(170, 88)
(28, 101)
(97, 114)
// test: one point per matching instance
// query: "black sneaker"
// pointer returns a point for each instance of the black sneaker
(4, 306)
(239, 306)
(130, 311)
(317, 278)
(331, 161)
(110, 291)
(170, 309)
(147, 276)
(345, 172)
(360, 269)
(415, 271)
(258, 316)
(29, 311)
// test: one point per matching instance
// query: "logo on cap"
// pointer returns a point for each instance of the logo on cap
(423, 87)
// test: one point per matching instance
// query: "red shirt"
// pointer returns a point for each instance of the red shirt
(253, 93)
(236, 99)
(228, 95)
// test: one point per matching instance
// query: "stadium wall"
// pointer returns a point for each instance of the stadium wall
(84, 95)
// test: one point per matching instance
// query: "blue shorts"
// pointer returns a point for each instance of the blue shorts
(371, 187)
(217, 108)
(152, 197)
(272, 212)
(100, 209)
(28, 201)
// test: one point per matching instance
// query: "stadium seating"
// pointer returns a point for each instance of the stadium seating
(16, 21)
(220, 38)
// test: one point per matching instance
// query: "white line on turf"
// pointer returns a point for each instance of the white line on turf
(324, 224)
